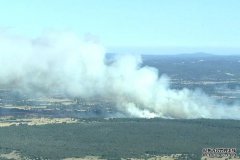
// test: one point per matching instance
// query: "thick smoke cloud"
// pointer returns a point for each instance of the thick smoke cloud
(64, 62)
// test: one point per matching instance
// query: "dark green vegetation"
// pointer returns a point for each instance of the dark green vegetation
(117, 138)
(218, 76)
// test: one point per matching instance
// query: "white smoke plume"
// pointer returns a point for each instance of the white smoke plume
(63, 61)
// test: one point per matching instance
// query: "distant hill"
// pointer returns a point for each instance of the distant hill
(197, 54)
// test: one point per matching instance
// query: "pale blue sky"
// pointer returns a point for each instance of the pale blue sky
(131, 23)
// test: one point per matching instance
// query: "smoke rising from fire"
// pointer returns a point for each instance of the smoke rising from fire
(63, 61)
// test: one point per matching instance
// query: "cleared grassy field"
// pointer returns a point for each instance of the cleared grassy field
(120, 138)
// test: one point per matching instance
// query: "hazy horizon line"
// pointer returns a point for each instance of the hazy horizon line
(175, 50)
